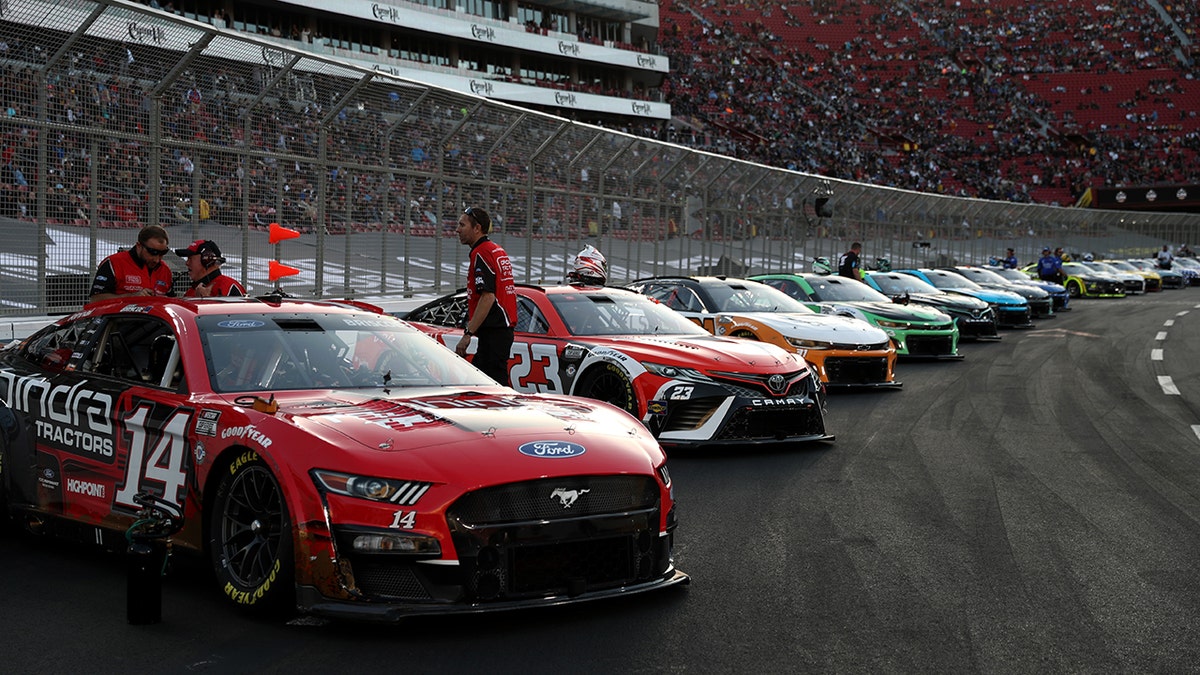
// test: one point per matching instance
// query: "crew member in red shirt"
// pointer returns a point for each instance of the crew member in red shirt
(204, 262)
(491, 297)
(138, 271)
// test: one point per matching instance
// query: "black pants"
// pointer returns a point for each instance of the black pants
(491, 354)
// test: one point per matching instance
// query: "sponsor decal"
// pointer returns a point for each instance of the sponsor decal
(656, 407)
(647, 61)
(142, 33)
(482, 88)
(369, 323)
(199, 453)
(247, 432)
(241, 323)
(206, 424)
(141, 309)
(551, 449)
(483, 32)
(74, 419)
(48, 478)
(1181, 194)
(1151, 195)
(446, 403)
(568, 48)
(640, 108)
(565, 98)
(567, 497)
(85, 488)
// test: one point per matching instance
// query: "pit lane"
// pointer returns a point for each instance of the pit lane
(1034, 507)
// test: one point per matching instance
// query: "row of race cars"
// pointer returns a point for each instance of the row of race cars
(331, 458)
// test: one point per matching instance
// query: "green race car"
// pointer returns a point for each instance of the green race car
(916, 330)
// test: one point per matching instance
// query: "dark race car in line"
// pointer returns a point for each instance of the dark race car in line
(975, 318)
(327, 458)
(688, 387)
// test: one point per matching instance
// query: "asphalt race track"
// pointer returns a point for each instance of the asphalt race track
(1032, 508)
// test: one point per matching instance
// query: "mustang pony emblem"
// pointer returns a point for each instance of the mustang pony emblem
(567, 497)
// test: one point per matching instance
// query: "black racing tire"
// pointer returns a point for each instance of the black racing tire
(607, 382)
(250, 538)
(743, 333)
(1073, 288)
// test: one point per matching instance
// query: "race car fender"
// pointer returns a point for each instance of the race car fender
(632, 367)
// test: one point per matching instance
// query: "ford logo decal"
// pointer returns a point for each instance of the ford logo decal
(552, 449)
(241, 323)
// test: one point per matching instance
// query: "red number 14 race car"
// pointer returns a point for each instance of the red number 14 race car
(328, 458)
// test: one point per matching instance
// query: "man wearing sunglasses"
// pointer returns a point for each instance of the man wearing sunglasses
(138, 271)
(491, 297)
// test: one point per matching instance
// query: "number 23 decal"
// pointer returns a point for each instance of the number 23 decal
(523, 374)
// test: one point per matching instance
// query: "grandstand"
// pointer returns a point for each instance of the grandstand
(1000, 99)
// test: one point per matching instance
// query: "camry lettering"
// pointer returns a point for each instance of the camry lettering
(765, 402)
(552, 449)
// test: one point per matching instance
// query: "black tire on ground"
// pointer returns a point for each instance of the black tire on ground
(250, 538)
(608, 383)
(1073, 289)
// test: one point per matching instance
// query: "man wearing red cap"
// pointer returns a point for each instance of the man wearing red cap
(135, 272)
(204, 262)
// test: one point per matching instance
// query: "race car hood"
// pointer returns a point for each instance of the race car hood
(453, 433)
(702, 351)
(894, 311)
(964, 303)
(822, 327)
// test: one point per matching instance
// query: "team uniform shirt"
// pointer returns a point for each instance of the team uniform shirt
(124, 272)
(1010, 263)
(491, 271)
(848, 263)
(1048, 267)
(222, 284)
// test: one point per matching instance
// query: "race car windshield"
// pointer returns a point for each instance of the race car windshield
(835, 289)
(751, 296)
(951, 280)
(607, 313)
(280, 352)
(899, 284)
(985, 276)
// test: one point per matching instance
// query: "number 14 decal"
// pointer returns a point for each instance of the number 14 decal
(164, 467)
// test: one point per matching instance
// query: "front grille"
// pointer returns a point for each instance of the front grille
(543, 499)
(773, 424)
(976, 328)
(1153, 284)
(532, 540)
(1013, 317)
(1060, 301)
(394, 580)
(930, 345)
(691, 414)
(754, 386)
(850, 370)
(597, 560)
(1041, 307)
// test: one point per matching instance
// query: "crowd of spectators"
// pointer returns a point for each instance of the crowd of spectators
(966, 97)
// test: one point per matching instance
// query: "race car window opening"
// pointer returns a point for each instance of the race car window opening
(530, 319)
(55, 346)
(136, 349)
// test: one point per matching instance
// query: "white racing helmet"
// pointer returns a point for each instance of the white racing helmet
(590, 267)
(822, 265)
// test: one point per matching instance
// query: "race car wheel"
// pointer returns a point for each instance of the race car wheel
(250, 536)
(608, 383)
(1073, 289)
(744, 334)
